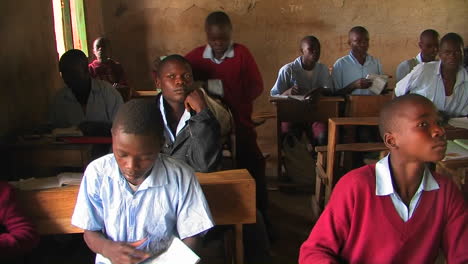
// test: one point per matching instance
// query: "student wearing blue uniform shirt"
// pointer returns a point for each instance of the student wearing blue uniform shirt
(132, 202)
(350, 72)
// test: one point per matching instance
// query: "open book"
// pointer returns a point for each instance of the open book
(62, 179)
(378, 82)
(177, 253)
(455, 151)
(461, 122)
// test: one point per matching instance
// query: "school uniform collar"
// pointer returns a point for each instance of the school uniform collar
(157, 177)
(208, 53)
(368, 57)
(462, 75)
(419, 58)
(182, 122)
(383, 179)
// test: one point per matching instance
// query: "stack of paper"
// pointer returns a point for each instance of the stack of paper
(455, 151)
(461, 122)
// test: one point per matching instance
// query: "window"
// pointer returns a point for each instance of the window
(70, 25)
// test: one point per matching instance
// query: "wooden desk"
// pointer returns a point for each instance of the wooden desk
(34, 155)
(230, 195)
(291, 110)
(145, 94)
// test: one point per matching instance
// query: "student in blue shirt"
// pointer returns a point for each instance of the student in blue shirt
(350, 72)
(132, 202)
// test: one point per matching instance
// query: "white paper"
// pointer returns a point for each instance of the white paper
(177, 253)
(378, 82)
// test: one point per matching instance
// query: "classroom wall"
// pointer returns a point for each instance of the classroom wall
(144, 29)
(28, 63)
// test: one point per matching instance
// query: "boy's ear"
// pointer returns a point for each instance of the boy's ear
(158, 83)
(390, 140)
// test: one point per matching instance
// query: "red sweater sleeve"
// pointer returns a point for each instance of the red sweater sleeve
(331, 230)
(251, 77)
(455, 235)
(20, 235)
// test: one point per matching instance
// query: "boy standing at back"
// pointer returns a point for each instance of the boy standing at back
(235, 67)
(350, 72)
(396, 211)
(132, 202)
(106, 69)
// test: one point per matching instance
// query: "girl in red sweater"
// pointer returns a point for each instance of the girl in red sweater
(396, 211)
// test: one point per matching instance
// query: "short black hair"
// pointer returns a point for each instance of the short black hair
(218, 18)
(359, 29)
(139, 117)
(388, 113)
(170, 58)
(310, 38)
(452, 37)
(72, 57)
(429, 33)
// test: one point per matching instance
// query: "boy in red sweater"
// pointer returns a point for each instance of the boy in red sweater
(232, 65)
(17, 233)
(105, 68)
(396, 211)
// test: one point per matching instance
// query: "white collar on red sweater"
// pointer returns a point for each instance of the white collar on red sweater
(383, 179)
(208, 53)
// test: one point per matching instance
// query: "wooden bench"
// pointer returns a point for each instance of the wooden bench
(230, 195)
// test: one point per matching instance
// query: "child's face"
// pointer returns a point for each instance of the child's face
(451, 54)
(100, 49)
(135, 154)
(174, 79)
(429, 46)
(418, 133)
(359, 42)
(219, 38)
(310, 52)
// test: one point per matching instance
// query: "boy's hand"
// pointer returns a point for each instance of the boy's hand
(292, 91)
(362, 83)
(124, 253)
(195, 101)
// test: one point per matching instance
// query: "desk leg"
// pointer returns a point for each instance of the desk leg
(239, 244)
(278, 145)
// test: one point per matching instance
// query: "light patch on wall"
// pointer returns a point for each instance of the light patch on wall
(338, 3)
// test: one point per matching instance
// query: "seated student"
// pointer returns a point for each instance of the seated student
(105, 68)
(83, 101)
(305, 73)
(305, 76)
(233, 64)
(191, 130)
(17, 233)
(429, 45)
(132, 202)
(396, 211)
(350, 72)
(444, 82)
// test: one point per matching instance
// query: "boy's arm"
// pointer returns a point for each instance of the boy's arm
(455, 234)
(205, 154)
(252, 83)
(281, 84)
(117, 252)
(20, 235)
